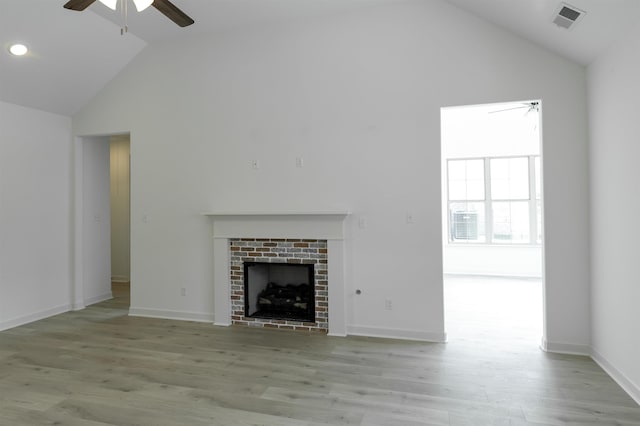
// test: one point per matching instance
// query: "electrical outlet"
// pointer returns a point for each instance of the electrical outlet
(183, 291)
(388, 304)
(255, 164)
(299, 162)
(410, 217)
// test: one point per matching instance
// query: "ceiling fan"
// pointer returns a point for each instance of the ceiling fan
(533, 106)
(164, 6)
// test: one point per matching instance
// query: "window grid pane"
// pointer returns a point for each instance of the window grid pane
(511, 222)
(510, 178)
(467, 222)
(466, 180)
(538, 180)
(539, 221)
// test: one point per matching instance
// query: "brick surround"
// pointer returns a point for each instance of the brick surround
(279, 250)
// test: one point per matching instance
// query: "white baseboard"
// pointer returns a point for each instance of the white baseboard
(620, 378)
(565, 348)
(36, 316)
(397, 333)
(572, 349)
(119, 279)
(97, 299)
(174, 315)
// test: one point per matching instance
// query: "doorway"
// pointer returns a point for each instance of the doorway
(102, 220)
(120, 203)
(492, 222)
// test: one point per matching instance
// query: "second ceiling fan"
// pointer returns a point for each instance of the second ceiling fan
(167, 8)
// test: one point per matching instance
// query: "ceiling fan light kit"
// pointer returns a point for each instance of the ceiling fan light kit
(111, 4)
(165, 7)
(142, 4)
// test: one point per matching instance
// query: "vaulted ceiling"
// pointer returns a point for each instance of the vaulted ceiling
(603, 23)
(73, 55)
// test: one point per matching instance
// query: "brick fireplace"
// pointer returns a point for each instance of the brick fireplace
(286, 251)
(260, 230)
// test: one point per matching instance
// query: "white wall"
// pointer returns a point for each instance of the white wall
(120, 208)
(96, 220)
(35, 212)
(615, 132)
(359, 97)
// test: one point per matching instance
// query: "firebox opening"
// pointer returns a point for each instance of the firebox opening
(279, 291)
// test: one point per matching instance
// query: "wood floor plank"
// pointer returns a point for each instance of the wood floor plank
(17, 416)
(400, 410)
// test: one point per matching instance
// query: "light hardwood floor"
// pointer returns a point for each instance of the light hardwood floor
(100, 367)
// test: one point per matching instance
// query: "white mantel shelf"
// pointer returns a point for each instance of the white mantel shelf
(283, 213)
(321, 225)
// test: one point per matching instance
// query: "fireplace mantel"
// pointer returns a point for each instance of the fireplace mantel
(325, 225)
(342, 213)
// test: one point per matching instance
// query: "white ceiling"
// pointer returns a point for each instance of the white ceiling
(74, 54)
(222, 15)
(604, 22)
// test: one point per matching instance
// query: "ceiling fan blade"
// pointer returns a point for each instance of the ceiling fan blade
(172, 12)
(78, 4)
(509, 109)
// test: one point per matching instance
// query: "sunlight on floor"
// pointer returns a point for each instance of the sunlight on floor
(493, 309)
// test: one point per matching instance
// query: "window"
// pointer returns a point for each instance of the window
(495, 200)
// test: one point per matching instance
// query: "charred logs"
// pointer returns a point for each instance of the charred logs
(288, 301)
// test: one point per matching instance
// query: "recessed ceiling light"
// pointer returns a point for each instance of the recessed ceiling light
(18, 49)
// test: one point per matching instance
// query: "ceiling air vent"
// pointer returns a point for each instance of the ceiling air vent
(567, 15)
